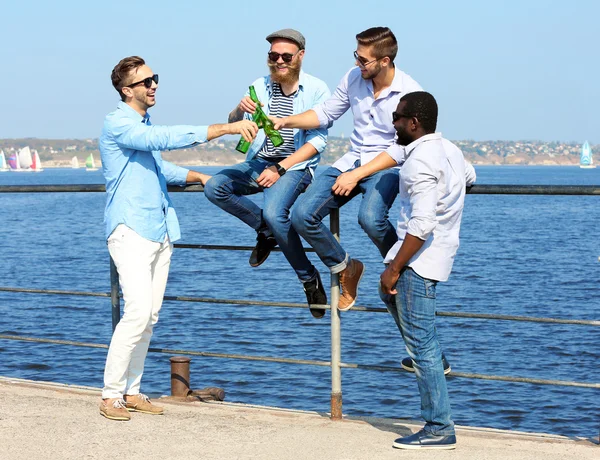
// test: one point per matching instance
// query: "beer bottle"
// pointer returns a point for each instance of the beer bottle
(260, 118)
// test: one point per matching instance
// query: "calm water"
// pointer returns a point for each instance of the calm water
(521, 255)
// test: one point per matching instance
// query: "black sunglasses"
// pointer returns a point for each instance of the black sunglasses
(147, 82)
(286, 57)
(396, 116)
(362, 61)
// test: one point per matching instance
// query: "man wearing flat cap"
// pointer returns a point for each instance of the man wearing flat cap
(282, 173)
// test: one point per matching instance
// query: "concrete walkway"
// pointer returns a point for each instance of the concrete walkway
(48, 421)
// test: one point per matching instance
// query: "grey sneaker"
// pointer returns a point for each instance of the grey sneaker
(409, 365)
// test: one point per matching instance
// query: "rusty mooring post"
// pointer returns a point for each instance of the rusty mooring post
(180, 376)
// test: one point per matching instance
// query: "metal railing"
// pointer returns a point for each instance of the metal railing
(336, 364)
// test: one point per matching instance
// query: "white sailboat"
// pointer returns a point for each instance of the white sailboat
(74, 163)
(585, 160)
(36, 165)
(90, 164)
(22, 160)
(3, 165)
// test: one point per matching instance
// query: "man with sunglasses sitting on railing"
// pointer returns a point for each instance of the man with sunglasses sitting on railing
(372, 91)
(282, 173)
(141, 224)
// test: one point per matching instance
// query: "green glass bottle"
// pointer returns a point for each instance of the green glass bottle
(260, 118)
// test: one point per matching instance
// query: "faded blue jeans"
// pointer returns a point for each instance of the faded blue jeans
(413, 309)
(378, 194)
(228, 189)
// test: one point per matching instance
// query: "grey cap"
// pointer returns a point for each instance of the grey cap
(288, 34)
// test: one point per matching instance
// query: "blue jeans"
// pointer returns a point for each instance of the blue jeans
(228, 190)
(379, 192)
(413, 309)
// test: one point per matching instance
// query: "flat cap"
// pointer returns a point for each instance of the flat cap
(288, 34)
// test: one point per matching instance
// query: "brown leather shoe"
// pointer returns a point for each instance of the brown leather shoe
(349, 279)
(114, 409)
(141, 403)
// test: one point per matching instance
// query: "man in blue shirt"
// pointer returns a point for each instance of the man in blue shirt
(141, 224)
(282, 173)
(371, 91)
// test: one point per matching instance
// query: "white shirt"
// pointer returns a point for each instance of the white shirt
(373, 127)
(432, 193)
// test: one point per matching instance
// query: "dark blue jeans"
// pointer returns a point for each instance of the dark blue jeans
(378, 194)
(413, 309)
(228, 190)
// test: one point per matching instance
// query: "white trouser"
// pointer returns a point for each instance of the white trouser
(143, 267)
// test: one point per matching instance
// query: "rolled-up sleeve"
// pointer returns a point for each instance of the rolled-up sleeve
(335, 106)
(470, 174)
(421, 180)
(397, 152)
(174, 175)
(145, 138)
(318, 137)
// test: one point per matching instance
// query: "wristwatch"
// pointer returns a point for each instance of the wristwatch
(280, 169)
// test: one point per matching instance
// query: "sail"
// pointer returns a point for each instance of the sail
(25, 159)
(90, 163)
(74, 163)
(3, 165)
(37, 164)
(586, 155)
(13, 162)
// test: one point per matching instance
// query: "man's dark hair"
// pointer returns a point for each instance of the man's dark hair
(423, 106)
(120, 73)
(382, 39)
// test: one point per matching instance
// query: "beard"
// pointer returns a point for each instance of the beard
(290, 77)
(402, 138)
(373, 72)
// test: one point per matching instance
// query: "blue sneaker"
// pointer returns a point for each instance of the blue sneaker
(408, 365)
(423, 440)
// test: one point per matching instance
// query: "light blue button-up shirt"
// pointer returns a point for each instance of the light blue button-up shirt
(373, 128)
(137, 176)
(311, 91)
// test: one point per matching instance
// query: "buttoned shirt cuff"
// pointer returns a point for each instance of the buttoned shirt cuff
(397, 152)
(318, 143)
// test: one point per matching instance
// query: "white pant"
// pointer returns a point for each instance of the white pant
(143, 267)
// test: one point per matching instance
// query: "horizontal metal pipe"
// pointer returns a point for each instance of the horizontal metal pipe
(477, 189)
(265, 303)
(225, 247)
(308, 362)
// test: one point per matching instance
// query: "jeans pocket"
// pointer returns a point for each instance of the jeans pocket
(429, 288)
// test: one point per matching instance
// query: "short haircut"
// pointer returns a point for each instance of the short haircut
(383, 41)
(121, 72)
(423, 106)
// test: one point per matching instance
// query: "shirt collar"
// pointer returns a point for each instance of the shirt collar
(130, 112)
(397, 85)
(427, 137)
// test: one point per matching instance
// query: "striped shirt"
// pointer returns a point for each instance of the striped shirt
(281, 105)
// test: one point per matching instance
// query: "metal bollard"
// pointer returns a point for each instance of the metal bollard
(180, 376)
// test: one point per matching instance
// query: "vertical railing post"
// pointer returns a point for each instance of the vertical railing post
(336, 370)
(114, 294)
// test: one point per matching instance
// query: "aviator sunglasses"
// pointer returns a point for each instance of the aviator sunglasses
(286, 57)
(147, 82)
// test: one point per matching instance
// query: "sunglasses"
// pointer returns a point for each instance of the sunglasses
(362, 61)
(147, 82)
(396, 116)
(286, 57)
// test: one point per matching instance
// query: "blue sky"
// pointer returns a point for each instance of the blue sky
(504, 70)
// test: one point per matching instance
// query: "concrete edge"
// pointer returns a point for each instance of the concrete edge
(387, 424)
